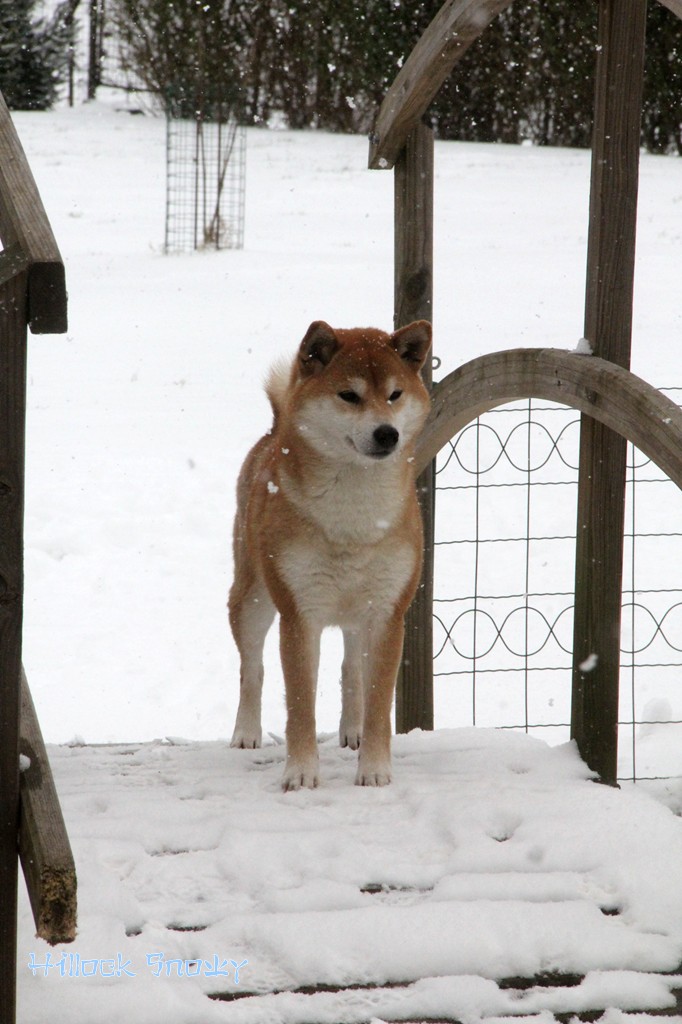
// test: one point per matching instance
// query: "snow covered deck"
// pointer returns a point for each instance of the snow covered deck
(206, 894)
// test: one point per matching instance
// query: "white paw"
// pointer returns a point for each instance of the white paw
(373, 774)
(246, 739)
(300, 775)
(350, 736)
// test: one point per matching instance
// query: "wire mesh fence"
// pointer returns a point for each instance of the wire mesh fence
(504, 580)
(205, 179)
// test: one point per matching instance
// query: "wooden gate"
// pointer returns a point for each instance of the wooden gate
(401, 140)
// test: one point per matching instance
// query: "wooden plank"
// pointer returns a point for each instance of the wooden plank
(608, 328)
(25, 228)
(413, 300)
(457, 25)
(603, 390)
(12, 417)
(44, 847)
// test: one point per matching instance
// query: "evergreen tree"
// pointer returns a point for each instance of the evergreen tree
(662, 114)
(33, 54)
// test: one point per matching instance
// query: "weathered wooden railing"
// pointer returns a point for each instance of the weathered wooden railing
(32, 294)
(400, 139)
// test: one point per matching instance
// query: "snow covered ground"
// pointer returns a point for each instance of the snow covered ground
(491, 856)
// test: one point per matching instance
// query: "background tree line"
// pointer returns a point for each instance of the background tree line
(328, 63)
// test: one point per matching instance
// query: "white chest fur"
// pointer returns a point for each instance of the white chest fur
(352, 505)
(345, 588)
(357, 559)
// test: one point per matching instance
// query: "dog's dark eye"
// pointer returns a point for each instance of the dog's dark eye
(349, 396)
(395, 396)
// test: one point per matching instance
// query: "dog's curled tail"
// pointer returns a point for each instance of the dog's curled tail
(277, 385)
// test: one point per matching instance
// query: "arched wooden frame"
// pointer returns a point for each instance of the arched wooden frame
(401, 139)
(615, 397)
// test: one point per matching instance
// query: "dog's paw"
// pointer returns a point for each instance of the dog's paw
(300, 775)
(349, 737)
(246, 739)
(376, 774)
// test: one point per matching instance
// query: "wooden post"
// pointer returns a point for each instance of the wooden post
(95, 47)
(608, 326)
(43, 842)
(13, 302)
(70, 24)
(32, 292)
(413, 178)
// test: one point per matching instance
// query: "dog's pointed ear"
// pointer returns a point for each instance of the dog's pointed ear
(412, 343)
(317, 348)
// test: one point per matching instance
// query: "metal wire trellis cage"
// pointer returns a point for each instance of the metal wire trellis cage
(503, 588)
(205, 175)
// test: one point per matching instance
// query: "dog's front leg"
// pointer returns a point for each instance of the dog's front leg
(385, 650)
(350, 727)
(300, 653)
(251, 615)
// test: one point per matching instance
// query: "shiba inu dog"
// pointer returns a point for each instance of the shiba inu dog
(328, 532)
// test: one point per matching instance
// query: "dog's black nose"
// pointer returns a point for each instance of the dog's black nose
(386, 437)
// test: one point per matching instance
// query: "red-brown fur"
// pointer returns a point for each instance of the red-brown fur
(328, 532)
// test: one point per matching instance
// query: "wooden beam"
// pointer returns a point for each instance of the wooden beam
(413, 240)
(47, 298)
(615, 177)
(12, 421)
(413, 300)
(604, 391)
(44, 847)
(608, 328)
(25, 229)
(457, 25)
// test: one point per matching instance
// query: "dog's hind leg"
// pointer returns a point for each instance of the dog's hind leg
(350, 728)
(251, 615)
